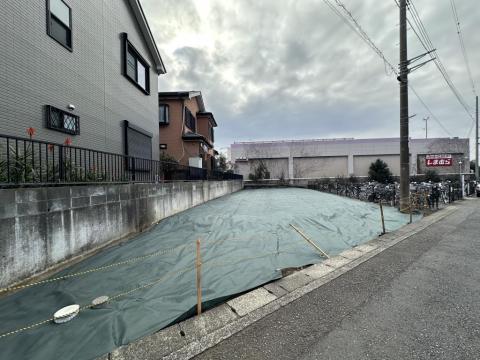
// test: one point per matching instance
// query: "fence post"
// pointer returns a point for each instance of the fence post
(132, 161)
(199, 279)
(61, 163)
(410, 208)
(383, 219)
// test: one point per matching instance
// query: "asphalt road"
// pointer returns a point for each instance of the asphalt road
(419, 299)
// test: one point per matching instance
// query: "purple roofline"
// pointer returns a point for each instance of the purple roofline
(334, 140)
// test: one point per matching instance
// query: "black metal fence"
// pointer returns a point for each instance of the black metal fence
(27, 161)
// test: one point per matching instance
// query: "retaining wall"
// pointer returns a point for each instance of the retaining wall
(42, 227)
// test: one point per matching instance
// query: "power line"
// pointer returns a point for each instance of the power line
(426, 42)
(428, 45)
(356, 28)
(352, 21)
(462, 44)
(465, 55)
(430, 112)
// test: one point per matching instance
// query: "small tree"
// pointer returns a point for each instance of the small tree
(432, 175)
(169, 165)
(380, 172)
(222, 163)
(260, 172)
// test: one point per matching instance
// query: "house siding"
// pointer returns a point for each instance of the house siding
(171, 134)
(36, 71)
(204, 126)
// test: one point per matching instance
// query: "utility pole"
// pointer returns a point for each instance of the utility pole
(426, 126)
(476, 140)
(403, 78)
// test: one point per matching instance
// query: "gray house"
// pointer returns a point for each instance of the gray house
(85, 69)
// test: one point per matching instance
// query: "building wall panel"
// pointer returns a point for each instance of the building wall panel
(361, 164)
(319, 167)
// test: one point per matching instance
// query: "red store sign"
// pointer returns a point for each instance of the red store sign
(438, 160)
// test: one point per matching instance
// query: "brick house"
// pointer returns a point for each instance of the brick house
(187, 129)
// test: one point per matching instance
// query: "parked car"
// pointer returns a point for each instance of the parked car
(477, 188)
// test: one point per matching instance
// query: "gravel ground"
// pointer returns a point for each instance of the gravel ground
(416, 300)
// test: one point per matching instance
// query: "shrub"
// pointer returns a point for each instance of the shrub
(380, 172)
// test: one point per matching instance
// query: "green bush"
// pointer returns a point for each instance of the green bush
(380, 172)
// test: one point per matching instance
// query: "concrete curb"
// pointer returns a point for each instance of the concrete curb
(193, 336)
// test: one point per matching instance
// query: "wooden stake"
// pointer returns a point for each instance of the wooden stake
(310, 241)
(199, 279)
(383, 219)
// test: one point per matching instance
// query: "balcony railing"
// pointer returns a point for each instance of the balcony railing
(32, 162)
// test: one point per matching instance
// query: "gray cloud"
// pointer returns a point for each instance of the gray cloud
(291, 69)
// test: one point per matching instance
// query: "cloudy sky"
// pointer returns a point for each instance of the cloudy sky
(286, 69)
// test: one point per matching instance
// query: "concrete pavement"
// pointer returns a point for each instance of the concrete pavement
(416, 300)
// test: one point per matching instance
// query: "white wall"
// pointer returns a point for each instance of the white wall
(365, 149)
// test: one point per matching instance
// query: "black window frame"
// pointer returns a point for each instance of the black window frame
(126, 48)
(190, 119)
(166, 114)
(52, 126)
(50, 15)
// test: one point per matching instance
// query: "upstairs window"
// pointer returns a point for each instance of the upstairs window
(163, 115)
(211, 134)
(136, 68)
(59, 22)
(190, 120)
(62, 121)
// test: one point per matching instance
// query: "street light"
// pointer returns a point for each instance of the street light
(460, 162)
(426, 126)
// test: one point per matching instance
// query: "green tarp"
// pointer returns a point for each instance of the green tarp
(246, 238)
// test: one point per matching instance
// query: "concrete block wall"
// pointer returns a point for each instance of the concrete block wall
(41, 227)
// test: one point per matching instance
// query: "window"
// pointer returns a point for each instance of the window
(190, 120)
(59, 22)
(163, 115)
(211, 134)
(136, 69)
(62, 121)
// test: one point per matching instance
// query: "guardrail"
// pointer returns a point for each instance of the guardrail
(26, 161)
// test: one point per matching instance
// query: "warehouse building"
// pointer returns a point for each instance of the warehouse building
(320, 158)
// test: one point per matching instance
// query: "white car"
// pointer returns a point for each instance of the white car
(477, 188)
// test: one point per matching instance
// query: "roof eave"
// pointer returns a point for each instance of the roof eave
(184, 95)
(147, 34)
(198, 137)
(211, 117)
